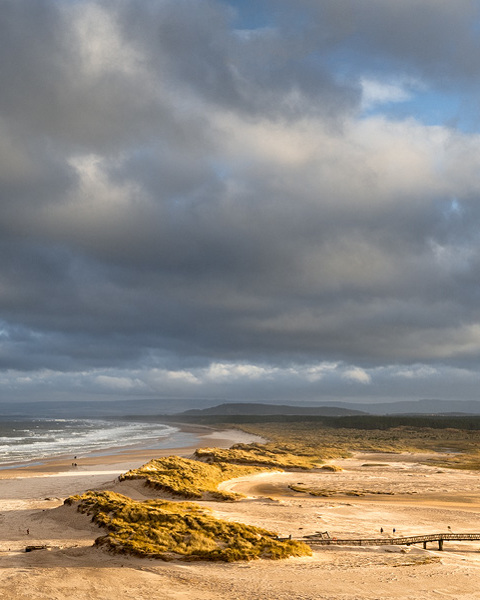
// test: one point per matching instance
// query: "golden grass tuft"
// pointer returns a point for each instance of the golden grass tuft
(189, 478)
(468, 461)
(327, 443)
(331, 468)
(417, 561)
(173, 530)
(328, 492)
(275, 455)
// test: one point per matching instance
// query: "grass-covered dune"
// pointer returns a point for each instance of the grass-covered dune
(198, 479)
(275, 455)
(332, 442)
(188, 478)
(440, 435)
(178, 530)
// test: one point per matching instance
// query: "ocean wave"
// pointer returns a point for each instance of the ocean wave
(44, 438)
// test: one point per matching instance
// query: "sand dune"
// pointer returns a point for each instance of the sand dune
(415, 499)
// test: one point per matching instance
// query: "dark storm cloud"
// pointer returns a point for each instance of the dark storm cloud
(191, 47)
(437, 39)
(186, 206)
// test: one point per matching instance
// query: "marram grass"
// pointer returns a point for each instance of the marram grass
(178, 530)
(328, 492)
(267, 455)
(189, 478)
(329, 443)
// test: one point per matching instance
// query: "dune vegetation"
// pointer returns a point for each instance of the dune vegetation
(314, 442)
(188, 478)
(469, 460)
(275, 455)
(178, 530)
(329, 492)
(329, 442)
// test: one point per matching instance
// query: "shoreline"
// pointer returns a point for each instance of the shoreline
(123, 458)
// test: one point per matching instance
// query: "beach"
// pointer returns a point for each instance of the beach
(392, 491)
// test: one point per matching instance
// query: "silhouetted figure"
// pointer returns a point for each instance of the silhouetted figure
(381, 529)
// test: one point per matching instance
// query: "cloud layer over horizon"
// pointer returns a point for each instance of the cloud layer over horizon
(251, 200)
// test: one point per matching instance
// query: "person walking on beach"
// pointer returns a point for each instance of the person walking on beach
(394, 530)
(381, 529)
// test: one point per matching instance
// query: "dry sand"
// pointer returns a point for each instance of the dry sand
(414, 499)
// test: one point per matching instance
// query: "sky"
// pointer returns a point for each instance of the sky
(250, 200)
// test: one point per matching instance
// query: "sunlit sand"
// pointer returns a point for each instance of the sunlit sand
(399, 492)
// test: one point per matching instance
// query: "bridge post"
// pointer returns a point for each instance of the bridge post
(440, 544)
(424, 545)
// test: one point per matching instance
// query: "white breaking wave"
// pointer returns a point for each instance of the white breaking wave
(42, 438)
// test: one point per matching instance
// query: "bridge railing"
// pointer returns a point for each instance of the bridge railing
(404, 540)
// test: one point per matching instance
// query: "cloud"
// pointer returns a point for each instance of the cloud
(357, 374)
(113, 383)
(286, 385)
(376, 92)
(190, 206)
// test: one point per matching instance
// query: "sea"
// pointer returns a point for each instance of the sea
(27, 440)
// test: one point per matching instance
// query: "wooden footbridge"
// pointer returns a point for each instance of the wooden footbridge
(323, 539)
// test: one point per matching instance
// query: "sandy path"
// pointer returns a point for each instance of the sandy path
(423, 499)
